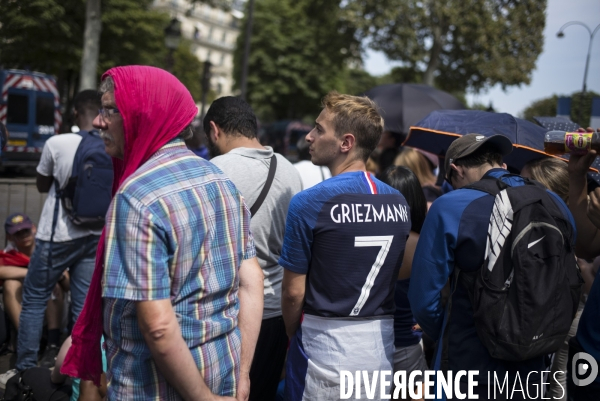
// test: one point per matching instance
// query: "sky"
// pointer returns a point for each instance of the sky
(559, 68)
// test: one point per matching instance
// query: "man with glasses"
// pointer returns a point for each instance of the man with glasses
(58, 246)
(180, 288)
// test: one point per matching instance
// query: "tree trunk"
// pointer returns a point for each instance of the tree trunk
(91, 45)
(434, 56)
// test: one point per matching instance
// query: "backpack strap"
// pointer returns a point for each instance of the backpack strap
(263, 194)
(489, 184)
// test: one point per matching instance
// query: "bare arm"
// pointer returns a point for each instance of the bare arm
(292, 300)
(43, 183)
(162, 333)
(588, 237)
(588, 234)
(409, 253)
(12, 273)
(251, 296)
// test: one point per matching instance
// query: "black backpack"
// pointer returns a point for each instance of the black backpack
(88, 193)
(34, 384)
(526, 294)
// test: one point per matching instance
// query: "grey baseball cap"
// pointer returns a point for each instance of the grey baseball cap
(468, 144)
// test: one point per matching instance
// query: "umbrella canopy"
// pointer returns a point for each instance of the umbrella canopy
(436, 132)
(403, 105)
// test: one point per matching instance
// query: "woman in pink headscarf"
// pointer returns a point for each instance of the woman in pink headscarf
(174, 261)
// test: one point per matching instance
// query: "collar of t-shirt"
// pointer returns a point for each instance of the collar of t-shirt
(254, 153)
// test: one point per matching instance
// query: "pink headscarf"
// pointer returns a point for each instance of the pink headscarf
(155, 108)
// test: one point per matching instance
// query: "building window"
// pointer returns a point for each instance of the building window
(196, 33)
(224, 37)
(210, 32)
(222, 60)
(208, 54)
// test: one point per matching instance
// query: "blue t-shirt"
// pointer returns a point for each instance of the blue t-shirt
(348, 235)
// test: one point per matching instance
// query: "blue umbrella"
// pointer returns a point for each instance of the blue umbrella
(436, 132)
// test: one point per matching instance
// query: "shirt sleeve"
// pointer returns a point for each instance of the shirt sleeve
(297, 242)
(46, 165)
(432, 265)
(250, 251)
(140, 244)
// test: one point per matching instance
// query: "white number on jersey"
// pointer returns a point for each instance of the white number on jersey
(384, 242)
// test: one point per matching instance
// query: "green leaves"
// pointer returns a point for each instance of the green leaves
(299, 52)
(547, 107)
(47, 36)
(481, 42)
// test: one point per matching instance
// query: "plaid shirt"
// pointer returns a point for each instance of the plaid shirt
(178, 229)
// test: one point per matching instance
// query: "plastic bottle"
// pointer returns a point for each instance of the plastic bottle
(577, 143)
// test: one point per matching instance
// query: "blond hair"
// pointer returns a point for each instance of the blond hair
(356, 115)
(551, 173)
(418, 163)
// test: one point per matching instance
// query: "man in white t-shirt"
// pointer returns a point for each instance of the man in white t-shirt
(310, 174)
(68, 247)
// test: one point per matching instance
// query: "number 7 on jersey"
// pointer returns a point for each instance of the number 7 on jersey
(385, 243)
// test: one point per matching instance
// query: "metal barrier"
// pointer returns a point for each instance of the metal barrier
(19, 195)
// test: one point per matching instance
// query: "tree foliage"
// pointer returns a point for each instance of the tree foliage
(299, 52)
(457, 44)
(548, 107)
(47, 36)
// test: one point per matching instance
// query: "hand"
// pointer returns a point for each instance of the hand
(243, 390)
(579, 164)
(593, 210)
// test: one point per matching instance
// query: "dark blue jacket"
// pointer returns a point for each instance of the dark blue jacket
(454, 233)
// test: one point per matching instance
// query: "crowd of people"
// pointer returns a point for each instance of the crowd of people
(248, 277)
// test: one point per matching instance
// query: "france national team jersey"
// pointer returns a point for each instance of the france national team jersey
(348, 235)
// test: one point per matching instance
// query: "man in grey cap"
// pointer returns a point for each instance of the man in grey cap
(455, 235)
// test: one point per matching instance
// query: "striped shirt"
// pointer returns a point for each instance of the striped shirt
(179, 229)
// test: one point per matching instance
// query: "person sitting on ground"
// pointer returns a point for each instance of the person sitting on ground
(20, 232)
(82, 390)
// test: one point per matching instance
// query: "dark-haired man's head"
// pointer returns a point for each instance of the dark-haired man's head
(85, 108)
(469, 157)
(229, 118)
(20, 230)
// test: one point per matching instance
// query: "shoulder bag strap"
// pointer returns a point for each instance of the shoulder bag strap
(263, 194)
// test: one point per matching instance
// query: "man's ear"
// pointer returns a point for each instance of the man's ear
(458, 170)
(348, 143)
(215, 132)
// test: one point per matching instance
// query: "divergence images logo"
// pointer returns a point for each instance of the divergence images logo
(583, 364)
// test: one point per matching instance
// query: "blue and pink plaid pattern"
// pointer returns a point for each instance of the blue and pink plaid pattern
(177, 229)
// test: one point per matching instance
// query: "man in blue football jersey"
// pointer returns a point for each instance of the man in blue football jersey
(343, 247)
